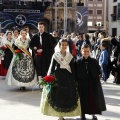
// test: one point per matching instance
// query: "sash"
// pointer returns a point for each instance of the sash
(63, 61)
(12, 50)
(26, 52)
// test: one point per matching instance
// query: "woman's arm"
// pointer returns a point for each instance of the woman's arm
(51, 69)
(72, 67)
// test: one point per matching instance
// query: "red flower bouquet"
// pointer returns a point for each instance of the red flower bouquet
(18, 51)
(48, 78)
(18, 56)
(3, 48)
(48, 81)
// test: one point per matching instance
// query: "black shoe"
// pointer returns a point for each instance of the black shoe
(22, 88)
(115, 79)
(83, 117)
(94, 118)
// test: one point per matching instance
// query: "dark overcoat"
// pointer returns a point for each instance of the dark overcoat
(89, 86)
(42, 62)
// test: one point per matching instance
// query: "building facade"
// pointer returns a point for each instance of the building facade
(114, 17)
(97, 18)
(61, 17)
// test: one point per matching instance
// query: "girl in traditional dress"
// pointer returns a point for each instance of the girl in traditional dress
(8, 55)
(63, 99)
(21, 71)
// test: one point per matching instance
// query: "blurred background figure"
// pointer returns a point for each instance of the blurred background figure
(29, 35)
(56, 37)
(71, 45)
(6, 42)
(78, 45)
(15, 33)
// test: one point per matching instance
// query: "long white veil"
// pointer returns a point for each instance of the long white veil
(4, 38)
(57, 47)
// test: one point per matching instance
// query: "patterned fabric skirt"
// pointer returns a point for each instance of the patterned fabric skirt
(46, 109)
(22, 73)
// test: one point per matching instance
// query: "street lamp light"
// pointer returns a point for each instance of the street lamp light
(99, 26)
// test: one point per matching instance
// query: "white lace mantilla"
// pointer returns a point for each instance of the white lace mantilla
(63, 61)
(19, 43)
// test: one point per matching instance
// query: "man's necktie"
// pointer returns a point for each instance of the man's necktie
(40, 39)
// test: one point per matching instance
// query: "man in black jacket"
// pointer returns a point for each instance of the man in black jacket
(42, 45)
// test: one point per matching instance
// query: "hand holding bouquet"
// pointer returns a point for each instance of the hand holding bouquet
(48, 81)
(2, 50)
(18, 56)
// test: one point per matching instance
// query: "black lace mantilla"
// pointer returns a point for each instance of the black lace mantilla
(24, 71)
(63, 109)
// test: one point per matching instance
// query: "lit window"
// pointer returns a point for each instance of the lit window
(90, 23)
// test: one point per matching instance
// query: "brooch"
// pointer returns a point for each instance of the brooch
(61, 59)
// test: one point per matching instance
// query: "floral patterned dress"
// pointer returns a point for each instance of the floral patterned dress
(23, 72)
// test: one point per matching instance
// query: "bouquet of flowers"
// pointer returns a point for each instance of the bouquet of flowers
(18, 56)
(48, 81)
(2, 50)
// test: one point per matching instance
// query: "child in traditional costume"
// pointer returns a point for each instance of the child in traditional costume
(62, 100)
(89, 86)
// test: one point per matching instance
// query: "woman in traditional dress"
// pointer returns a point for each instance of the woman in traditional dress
(15, 33)
(21, 72)
(63, 99)
(7, 42)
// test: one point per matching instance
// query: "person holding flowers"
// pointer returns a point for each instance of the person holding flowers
(42, 46)
(59, 96)
(21, 71)
(6, 51)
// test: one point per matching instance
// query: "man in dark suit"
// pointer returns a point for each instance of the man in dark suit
(42, 45)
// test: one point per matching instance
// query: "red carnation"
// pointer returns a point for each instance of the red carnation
(3, 47)
(39, 53)
(49, 78)
(18, 51)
